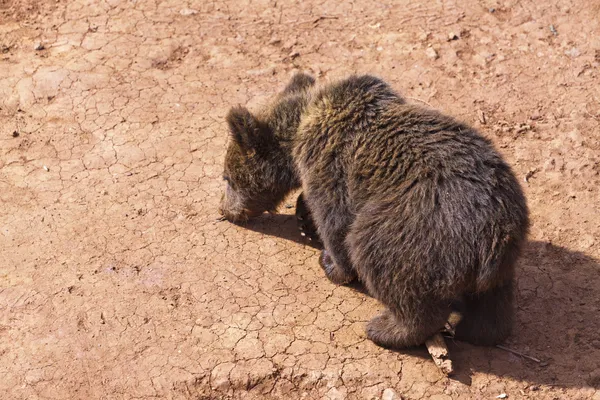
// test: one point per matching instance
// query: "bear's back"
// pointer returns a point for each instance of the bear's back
(434, 179)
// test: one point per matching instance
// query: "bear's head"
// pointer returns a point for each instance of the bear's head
(259, 170)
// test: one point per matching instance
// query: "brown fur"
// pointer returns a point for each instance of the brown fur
(417, 206)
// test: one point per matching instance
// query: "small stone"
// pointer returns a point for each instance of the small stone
(188, 11)
(335, 394)
(39, 46)
(573, 52)
(431, 53)
(452, 36)
(502, 396)
(534, 388)
(492, 10)
(46, 169)
(390, 394)
(587, 241)
(15, 134)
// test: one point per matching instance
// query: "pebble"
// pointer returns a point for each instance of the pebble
(431, 53)
(390, 394)
(188, 11)
(573, 52)
(39, 46)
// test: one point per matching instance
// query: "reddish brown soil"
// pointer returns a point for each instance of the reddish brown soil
(116, 281)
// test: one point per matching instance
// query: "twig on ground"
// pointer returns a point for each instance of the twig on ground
(422, 101)
(518, 353)
(314, 20)
(322, 17)
(436, 346)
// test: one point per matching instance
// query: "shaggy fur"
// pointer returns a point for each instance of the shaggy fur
(417, 206)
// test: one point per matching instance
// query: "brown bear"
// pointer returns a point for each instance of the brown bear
(419, 207)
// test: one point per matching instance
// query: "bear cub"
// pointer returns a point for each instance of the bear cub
(419, 207)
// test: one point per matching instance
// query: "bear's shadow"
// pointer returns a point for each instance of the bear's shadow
(557, 316)
(281, 225)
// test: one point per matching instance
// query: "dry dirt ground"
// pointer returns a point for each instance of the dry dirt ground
(116, 280)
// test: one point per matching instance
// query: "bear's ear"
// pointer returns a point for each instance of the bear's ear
(299, 81)
(246, 130)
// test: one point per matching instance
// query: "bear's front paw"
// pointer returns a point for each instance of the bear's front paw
(335, 274)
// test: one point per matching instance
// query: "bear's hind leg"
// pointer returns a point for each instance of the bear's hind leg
(411, 327)
(487, 317)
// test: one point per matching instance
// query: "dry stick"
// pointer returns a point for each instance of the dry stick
(322, 17)
(422, 101)
(313, 20)
(436, 346)
(518, 353)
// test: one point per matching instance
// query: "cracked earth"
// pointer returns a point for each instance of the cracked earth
(116, 280)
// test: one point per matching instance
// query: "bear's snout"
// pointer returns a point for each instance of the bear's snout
(233, 208)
